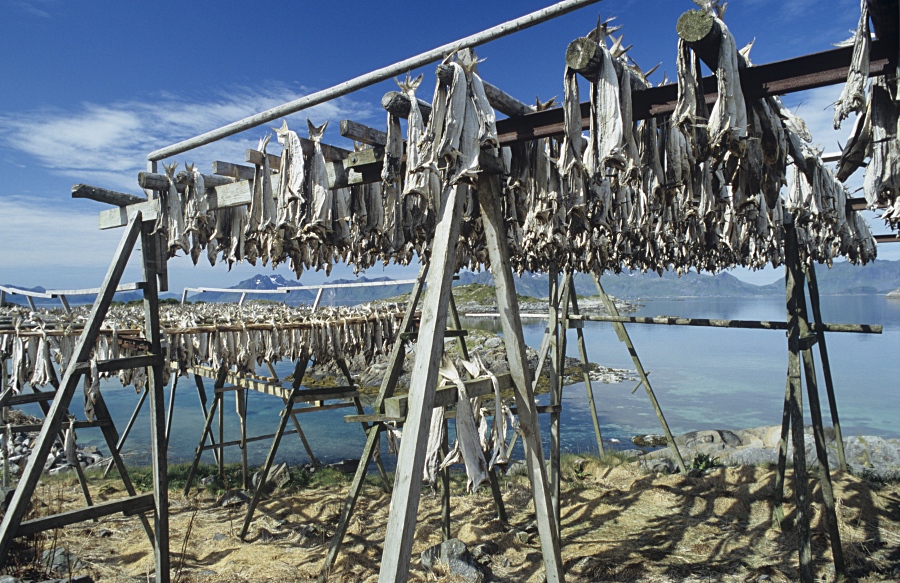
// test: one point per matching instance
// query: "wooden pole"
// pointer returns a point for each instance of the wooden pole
(128, 427)
(385, 481)
(4, 419)
(201, 395)
(429, 350)
(504, 284)
(241, 397)
(813, 287)
(585, 367)
(794, 292)
(221, 426)
(556, 300)
(153, 265)
(388, 383)
(445, 486)
(19, 503)
(171, 412)
(270, 458)
(622, 333)
(373, 77)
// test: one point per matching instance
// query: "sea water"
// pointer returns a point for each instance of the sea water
(704, 378)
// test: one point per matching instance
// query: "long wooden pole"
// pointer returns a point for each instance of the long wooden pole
(423, 382)
(376, 76)
(585, 370)
(622, 333)
(813, 286)
(556, 366)
(507, 305)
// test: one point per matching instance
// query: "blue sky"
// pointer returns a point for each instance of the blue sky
(89, 88)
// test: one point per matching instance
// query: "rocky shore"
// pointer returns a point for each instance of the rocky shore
(867, 456)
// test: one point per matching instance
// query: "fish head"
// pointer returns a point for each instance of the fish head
(264, 142)
(170, 169)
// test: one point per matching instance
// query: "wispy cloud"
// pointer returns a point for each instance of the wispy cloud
(39, 8)
(109, 142)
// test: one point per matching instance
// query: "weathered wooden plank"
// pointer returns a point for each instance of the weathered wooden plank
(495, 237)
(429, 350)
(362, 133)
(715, 323)
(125, 287)
(154, 181)
(233, 170)
(225, 196)
(152, 257)
(331, 153)
(24, 292)
(397, 103)
(446, 395)
(103, 195)
(127, 506)
(127, 362)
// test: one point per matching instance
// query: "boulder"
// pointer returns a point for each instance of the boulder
(455, 558)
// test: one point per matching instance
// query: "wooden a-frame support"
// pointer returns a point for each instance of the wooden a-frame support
(800, 341)
(388, 386)
(12, 525)
(429, 349)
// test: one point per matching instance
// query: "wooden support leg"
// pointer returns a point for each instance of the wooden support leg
(388, 383)
(201, 394)
(813, 287)
(18, 505)
(445, 487)
(273, 450)
(220, 397)
(429, 349)
(794, 292)
(110, 435)
(128, 427)
(624, 337)
(815, 411)
(585, 367)
(207, 429)
(777, 507)
(382, 473)
(556, 367)
(171, 412)
(299, 372)
(4, 418)
(154, 266)
(242, 416)
(495, 237)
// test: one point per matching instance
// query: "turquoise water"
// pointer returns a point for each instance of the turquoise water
(704, 378)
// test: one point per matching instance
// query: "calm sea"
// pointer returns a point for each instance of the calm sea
(704, 378)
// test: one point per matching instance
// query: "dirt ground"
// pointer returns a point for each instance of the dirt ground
(619, 524)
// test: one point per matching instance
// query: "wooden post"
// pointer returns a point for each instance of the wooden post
(813, 287)
(241, 397)
(315, 305)
(201, 395)
(276, 441)
(4, 419)
(556, 365)
(65, 304)
(207, 429)
(154, 265)
(385, 481)
(299, 372)
(171, 411)
(585, 367)
(429, 349)
(19, 503)
(445, 486)
(134, 414)
(495, 237)
(220, 397)
(388, 383)
(794, 292)
(31, 303)
(622, 333)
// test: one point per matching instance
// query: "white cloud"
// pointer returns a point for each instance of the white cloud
(110, 142)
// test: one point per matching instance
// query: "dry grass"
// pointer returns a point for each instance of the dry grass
(619, 524)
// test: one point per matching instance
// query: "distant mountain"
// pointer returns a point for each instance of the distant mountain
(351, 296)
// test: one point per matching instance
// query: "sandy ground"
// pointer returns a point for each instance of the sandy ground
(619, 524)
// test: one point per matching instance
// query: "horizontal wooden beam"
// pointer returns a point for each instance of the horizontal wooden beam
(130, 362)
(233, 170)
(447, 394)
(125, 287)
(499, 100)
(24, 292)
(127, 506)
(154, 181)
(397, 103)
(713, 323)
(106, 196)
(362, 133)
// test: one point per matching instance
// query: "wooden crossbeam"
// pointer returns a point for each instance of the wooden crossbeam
(127, 506)
(103, 195)
(446, 395)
